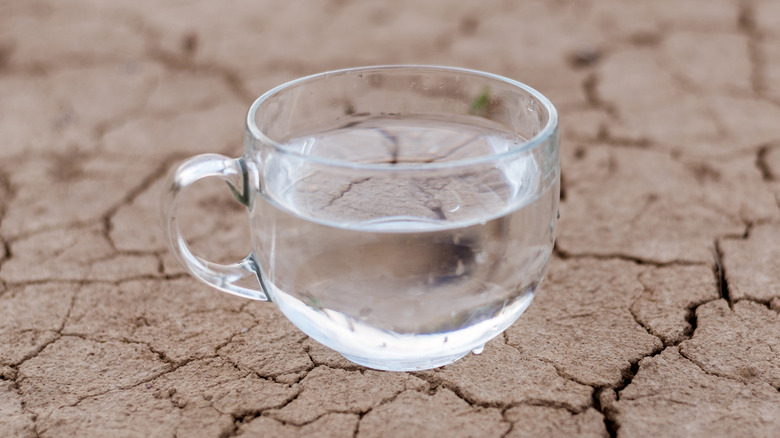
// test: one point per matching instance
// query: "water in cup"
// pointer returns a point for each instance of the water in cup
(382, 267)
(400, 215)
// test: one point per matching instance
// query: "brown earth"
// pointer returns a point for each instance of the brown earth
(659, 316)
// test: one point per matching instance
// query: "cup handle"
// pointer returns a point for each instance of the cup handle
(234, 172)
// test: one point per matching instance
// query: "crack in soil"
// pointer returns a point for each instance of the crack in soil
(761, 162)
(345, 190)
(17, 389)
(8, 187)
(178, 63)
(249, 414)
(174, 366)
(610, 420)
(138, 110)
(640, 323)
(6, 255)
(357, 427)
(42, 69)
(604, 137)
(610, 424)
(690, 316)
(746, 24)
(49, 228)
(272, 378)
(184, 61)
(227, 342)
(383, 402)
(765, 303)
(511, 424)
(710, 373)
(86, 282)
(563, 189)
(590, 89)
(720, 274)
(36, 353)
(58, 332)
(567, 255)
(153, 176)
(436, 383)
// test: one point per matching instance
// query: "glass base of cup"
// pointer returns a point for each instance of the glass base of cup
(383, 350)
(406, 365)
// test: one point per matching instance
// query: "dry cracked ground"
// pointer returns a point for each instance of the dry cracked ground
(659, 316)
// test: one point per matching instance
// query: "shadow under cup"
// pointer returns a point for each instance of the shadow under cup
(400, 215)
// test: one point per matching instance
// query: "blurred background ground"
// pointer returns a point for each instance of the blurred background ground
(660, 312)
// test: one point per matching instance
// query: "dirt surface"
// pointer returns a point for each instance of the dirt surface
(659, 316)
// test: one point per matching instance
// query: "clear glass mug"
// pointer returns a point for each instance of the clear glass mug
(400, 215)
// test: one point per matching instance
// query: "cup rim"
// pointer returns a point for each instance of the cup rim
(542, 136)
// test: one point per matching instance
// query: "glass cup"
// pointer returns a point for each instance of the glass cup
(400, 215)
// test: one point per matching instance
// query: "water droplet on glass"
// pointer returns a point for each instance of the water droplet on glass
(479, 349)
(454, 208)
